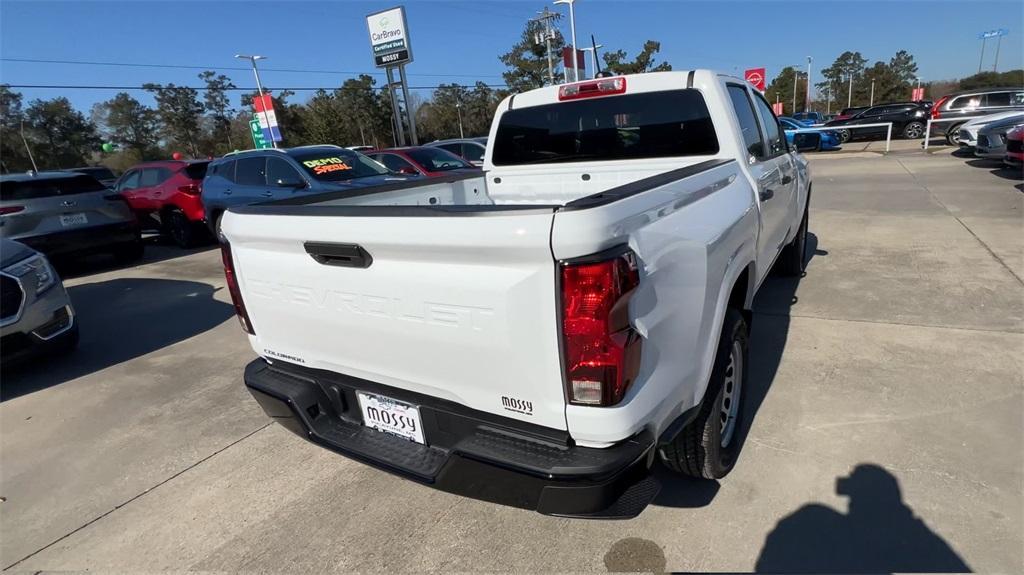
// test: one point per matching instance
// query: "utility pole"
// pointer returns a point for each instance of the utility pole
(546, 16)
(572, 28)
(259, 89)
(807, 104)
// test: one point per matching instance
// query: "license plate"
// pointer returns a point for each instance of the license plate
(73, 219)
(390, 416)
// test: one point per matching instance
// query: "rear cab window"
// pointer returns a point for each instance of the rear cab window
(630, 126)
(48, 187)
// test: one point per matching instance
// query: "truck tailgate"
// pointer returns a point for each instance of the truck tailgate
(460, 307)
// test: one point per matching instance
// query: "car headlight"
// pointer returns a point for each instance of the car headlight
(35, 274)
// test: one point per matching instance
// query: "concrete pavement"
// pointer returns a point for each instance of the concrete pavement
(885, 396)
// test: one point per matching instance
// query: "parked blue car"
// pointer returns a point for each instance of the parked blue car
(253, 176)
(804, 123)
(829, 140)
(809, 118)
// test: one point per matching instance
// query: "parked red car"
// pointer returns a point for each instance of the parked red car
(166, 196)
(1015, 148)
(422, 160)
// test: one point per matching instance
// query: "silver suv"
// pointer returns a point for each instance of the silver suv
(970, 104)
(61, 213)
(35, 313)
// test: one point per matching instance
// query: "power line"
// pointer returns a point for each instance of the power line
(239, 68)
(203, 88)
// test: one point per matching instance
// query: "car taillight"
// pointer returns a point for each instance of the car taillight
(936, 114)
(236, 293)
(602, 351)
(191, 189)
(599, 87)
(11, 210)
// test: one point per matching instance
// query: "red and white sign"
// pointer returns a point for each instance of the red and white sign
(264, 108)
(917, 94)
(567, 58)
(756, 77)
(777, 108)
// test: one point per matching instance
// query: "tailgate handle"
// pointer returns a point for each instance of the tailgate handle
(342, 255)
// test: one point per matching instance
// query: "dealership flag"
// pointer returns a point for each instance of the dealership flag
(567, 58)
(264, 107)
(756, 77)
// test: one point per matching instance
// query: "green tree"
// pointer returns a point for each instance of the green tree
(366, 111)
(125, 121)
(13, 157)
(616, 62)
(218, 106)
(781, 89)
(65, 137)
(179, 110)
(993, 80)
(527, 61)
(837, 78)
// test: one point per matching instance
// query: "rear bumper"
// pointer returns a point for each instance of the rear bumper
(469, 453)
(92, 239)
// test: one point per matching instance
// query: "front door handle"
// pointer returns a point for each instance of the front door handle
(227, 192)
(766, 194)
(268, 194)
(786, 179)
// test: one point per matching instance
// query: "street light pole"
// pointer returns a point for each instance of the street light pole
(807, 104)
(572, 28)
(982, 59)
(849, 93)
(458, 110)
(259, 89)
(872, 102)
(796, 82)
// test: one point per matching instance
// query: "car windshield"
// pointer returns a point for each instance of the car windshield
(339, 165)
(197, 170)
(631, 126)
(437, 160)
(43, 187)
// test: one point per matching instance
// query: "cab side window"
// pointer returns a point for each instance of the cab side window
(748, 121)
(776, 140)
(129, 181)
(251, 171)
(279, 170)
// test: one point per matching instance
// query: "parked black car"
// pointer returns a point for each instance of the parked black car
(103, 174)
(908, 120)
(970, 104)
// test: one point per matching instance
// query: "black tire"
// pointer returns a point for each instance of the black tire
(698, 451)
(951, 133)
(182, 230)
(844, 136)
(913, 130)
(130, 252)
(216, 228)
(793, 259)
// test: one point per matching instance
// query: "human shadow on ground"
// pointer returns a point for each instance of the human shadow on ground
(157, 249)
(767, 342)
(879, 534)
(119, 320)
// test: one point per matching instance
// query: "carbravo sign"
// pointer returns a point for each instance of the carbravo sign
(389, 37)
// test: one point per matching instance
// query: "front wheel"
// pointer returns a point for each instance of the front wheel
(844, 136)
(913, 130)
(708, 446)
(951, 134)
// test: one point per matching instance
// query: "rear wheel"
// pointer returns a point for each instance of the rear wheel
(951, 134)
(844, 136)
(913, 130)
(708, 446)
(793, 259)
(181, 229)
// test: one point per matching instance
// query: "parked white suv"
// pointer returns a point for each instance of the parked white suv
(536, 335)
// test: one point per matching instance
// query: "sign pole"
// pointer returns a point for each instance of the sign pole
(394, 107)
(995, 65)
(408, 108)
(982, 59)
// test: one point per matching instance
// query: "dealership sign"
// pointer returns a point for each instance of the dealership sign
(263, 107)
(389, 37)
(756, 77)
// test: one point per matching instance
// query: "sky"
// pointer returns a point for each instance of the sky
(455, 41)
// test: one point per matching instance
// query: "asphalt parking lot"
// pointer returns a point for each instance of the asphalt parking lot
(886, 407)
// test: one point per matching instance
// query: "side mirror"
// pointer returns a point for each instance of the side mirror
(807, 141)
(289, 183)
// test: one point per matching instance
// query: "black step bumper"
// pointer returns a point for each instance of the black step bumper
(470, 453)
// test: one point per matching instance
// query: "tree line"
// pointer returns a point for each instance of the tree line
(848, 80)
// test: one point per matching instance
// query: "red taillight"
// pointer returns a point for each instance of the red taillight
(11, 210)
(191, 189)
(236, 294)
(936, 112)
(602, 351)
(592, 88)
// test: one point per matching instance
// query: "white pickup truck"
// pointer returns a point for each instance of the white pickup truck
(535, 335)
